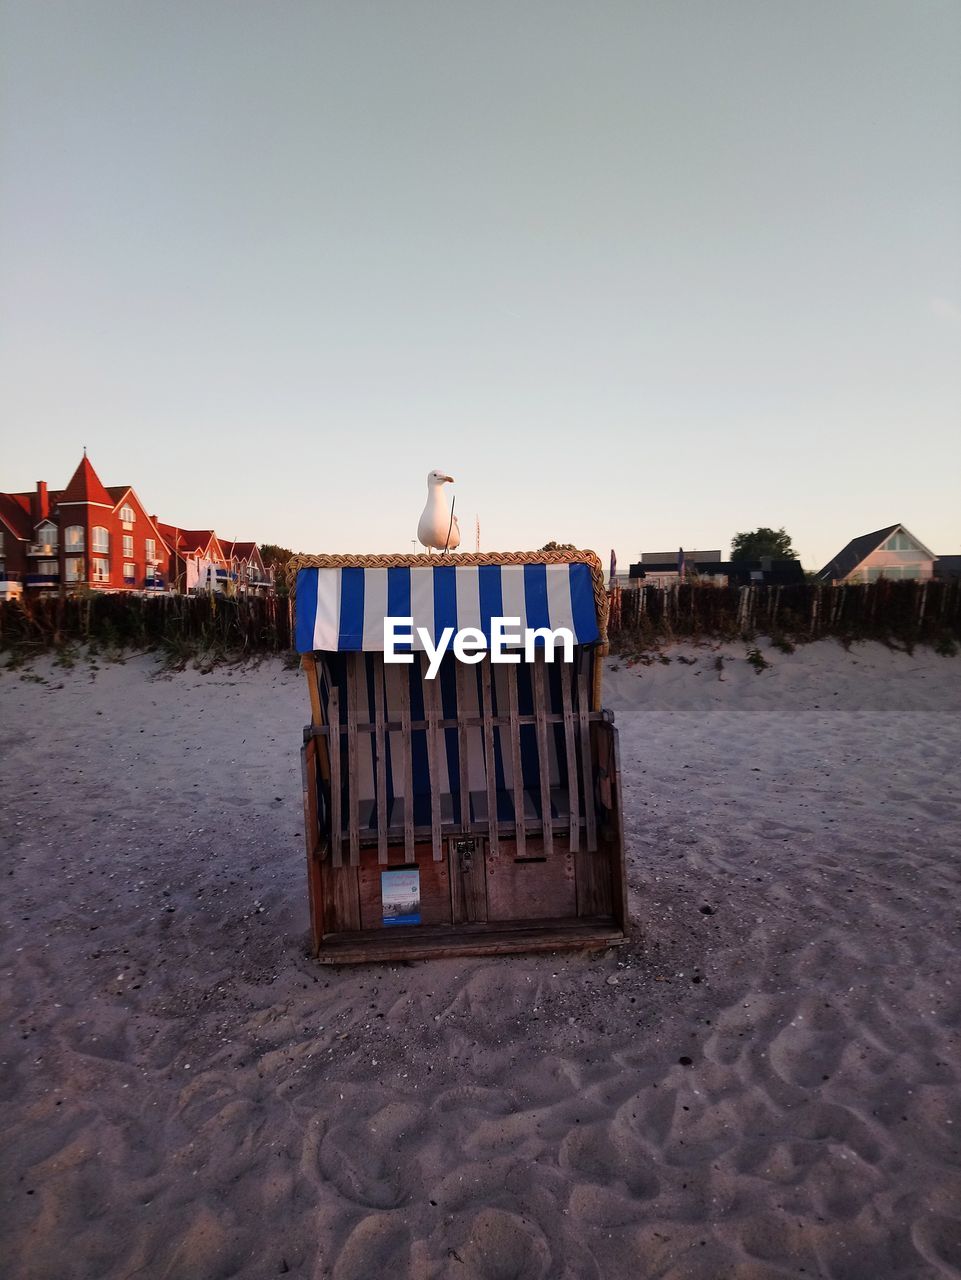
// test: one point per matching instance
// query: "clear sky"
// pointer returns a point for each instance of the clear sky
(636, 274)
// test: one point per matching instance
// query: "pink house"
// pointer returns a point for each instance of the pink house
(893, 553)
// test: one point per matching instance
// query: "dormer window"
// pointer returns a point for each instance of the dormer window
(47, 533)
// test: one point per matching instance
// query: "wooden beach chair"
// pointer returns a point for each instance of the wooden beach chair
(478, 812)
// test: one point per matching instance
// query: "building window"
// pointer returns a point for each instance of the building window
(129, 572)
(151, 550)
(128, 544)
(74, 566)
(100, 567)
(48, 568)
(73, 537)
(127, 516)
(101, 538)
(896, 572)
(898, 542)
(46, 536)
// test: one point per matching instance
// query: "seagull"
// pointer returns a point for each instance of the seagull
(437, 527)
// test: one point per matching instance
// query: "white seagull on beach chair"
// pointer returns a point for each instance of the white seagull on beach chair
(438, 526)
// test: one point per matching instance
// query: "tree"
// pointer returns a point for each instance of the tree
(558, 546)
(277, 557)
(775, 543)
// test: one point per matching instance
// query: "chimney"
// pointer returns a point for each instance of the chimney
(41, 502)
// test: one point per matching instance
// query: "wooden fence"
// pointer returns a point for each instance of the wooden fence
(902, 613)
(183, 625)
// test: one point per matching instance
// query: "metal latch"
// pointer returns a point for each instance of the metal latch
(465, 847)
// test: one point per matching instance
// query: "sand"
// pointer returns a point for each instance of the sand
(765, 1082)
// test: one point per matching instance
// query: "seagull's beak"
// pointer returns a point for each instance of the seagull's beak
(448, 479)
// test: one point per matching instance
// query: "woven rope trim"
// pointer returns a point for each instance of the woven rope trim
(590, 558)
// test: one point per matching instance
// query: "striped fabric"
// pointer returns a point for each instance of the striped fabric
(334, 671)
(343, 610)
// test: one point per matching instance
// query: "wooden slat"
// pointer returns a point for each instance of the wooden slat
(516, 769)
(343, 901)
(407, 764)
(308, 757)
(487, 710)
(468, 881)
(465, 940)
(433, 760)
(395, 832)
(587, 765)
(618, 858)
(463, 673)
(543, 756)
(380, 747)
(333, 715)
(309, 664)
(353, 807)
(600, 653)
(312, 839)
(573, 790)
(470, 722)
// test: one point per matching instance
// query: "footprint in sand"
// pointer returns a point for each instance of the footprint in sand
(603, 1155)
(364, 1156)
(938, 1240)
(501, 1246)
(377, 1246)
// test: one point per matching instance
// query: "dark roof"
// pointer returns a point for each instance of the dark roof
(947, 567)
(117, 491)
(774, 571)
(85, 486)
(848, 559)
(242, 550)
(16, 514)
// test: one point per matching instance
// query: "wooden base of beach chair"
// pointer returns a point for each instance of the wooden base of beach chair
(442, 943)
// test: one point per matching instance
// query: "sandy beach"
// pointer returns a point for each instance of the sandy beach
(765, 1082)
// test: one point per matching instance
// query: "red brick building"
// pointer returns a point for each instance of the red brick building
(250, 573)
(101, 537)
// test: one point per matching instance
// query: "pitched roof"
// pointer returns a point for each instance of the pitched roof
(169, 534)
(16, 515)
(85, 486)
(186, 541)
(118, 491)
(242, 550)
(858, 549)
(195, 539)
(849, 557)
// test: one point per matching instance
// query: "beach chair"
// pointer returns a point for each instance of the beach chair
(477, 812)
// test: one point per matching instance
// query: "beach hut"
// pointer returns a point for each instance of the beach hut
(475, 812)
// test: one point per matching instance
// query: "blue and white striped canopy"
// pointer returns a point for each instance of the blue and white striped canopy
(344, 609)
